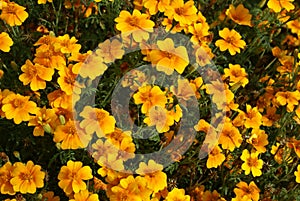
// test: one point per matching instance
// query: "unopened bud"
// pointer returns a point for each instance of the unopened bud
(62, 119)
(47, 128)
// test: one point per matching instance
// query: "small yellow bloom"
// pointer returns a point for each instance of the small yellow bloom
(232, 41)
(236, 74)
(239, 15)
(110, 50)
(5, 42)
(297, 174)
(278, 5)
(215, 158)
(178, 195)
(5, 176)
(26, 178)
(253, 118)
(247, 192)
(258, 139)
(85, 195)
(291, 99)
(13, 14)
(251, 163)
(230, 137)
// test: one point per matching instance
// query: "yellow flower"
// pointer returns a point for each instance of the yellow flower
(137, 24)
(44, 120)
(239, 15)
(44, 1)
(289, 98)
(13, 14)
(150, 96)
(71, 136)
(177, 195)
(184, 13)
(36, 75)
(66, 45)
(281, 153)
(71, 177)
(230, 137)
(253, 118)
(26, 178)
(168, 57)
(5, 42)
(156, 179)
(258, 139)
(231, 41)
(278, 5)
(131, 189)
(5, 176)
(158, 116)
(215, 158)
(110, 50)
(67, 81)
(236, 74)
(200, 31)
(297, 174)
(85, 195)
(294, 25)
(247, 192)
(3, 94)
(251, 163)
(156, 5)
(18, 107)
(97, 120)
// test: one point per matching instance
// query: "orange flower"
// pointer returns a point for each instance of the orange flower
(297, 174)
(97, 120)
(66, 45)
(85, 195)
(159, 118)
(44, 120)
(3, 94)
(5, 42)
(26, 178)
(294, 25)
(156, 5)
(36, 75)
(71, 136)
(13, 14)
(67, 81)
(278, 5)
(184, 13)
(236, 74)
(246, 192)
(5, 176)
(156, 179)
(18, 107)
(215, 158)
(110, 50)
(200, 31)
(59, 99)
(253, 118)
(150, 96)
(72, 175)
(239, 15)
(230, 137)
(231, 41)
(136, 24)
(258, 139)
(49, 196)
(289, 98)
(167, 57)
(270, 117)
(251, 163)
(178, 195)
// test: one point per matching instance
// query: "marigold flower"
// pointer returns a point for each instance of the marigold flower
(184, 13)
(281, 153)
(49, 196)
(150, 96)
(178, 195)
(218, 90)
(71, 136)
(270, 117)
(3, 94)
(85, 195)
(13, 14)
(36, 75)
(156, 179)
(97, 120)
(66, 45)
(67, 81)
(59, 99)
(246, 192)
(5, 176)
(215, 158)
(137, 24)
(110, 50)
(131, 189)
(278, 5)
(44, 120)
(230, 137)
(18, 107)
(294, 25)
(47, 57)
(26, 178)
(231, 41)
(253, 118)
(154, 6)
(258, 139)
(295, 144)
(251, 163)
(168, 57)
(239, 15)
(44, 1)
(236, 74)
(297, 174)
(5, 42)
(72, 175)
(291, 99)
(200, 31)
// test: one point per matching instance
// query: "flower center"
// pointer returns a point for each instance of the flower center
(18, 103)
(25, 176)
(252, 162)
